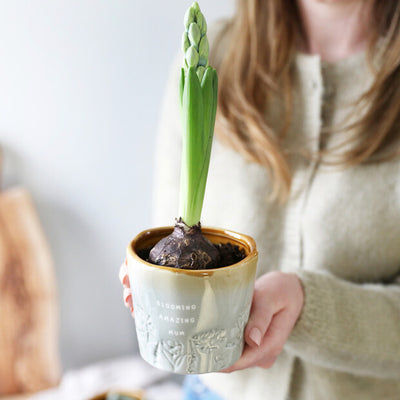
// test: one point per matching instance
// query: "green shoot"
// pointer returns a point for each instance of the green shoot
(198, 101)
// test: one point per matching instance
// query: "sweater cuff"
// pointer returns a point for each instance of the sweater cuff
(348, 327)
(317, 300)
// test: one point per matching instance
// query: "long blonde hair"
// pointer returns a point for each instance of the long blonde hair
(257, 66)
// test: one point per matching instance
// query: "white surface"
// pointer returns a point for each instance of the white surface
(128, 374)
(81, 84)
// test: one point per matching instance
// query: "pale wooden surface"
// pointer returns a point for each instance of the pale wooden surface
(17, 397)
(28, 331)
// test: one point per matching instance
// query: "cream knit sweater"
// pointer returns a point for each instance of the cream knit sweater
(340, 232)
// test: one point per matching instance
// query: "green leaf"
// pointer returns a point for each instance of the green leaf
(192, 152)
(209, 87)
(181, 86)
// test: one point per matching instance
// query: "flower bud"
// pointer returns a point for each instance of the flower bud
(204, 49)
(192, 57)
(194, 35)
(185, 42)
(201, 22)
(195, 6)
(200, 72)
(202, 61)
(189, 17)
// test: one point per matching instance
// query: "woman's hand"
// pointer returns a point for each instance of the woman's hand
(124, 278)
(277, 303)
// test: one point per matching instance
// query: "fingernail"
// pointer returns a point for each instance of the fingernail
(255, 336)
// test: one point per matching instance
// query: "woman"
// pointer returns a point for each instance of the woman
(306, 161)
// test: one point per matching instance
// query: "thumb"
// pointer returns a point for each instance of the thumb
(261, 314)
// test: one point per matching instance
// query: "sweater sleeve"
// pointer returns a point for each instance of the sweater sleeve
(168, 153)
(348, 327)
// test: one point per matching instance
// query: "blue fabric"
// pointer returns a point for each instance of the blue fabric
(194, 389)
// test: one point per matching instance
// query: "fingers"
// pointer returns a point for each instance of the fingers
(271, 346)
(251, 357)
(277, 303)
(127, 294)
(123, 275)
(278, 332)
(261, 315)
(128, 298)
(249, 354)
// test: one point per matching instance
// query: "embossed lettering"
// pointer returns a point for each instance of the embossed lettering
(176, 333)
(180, 307)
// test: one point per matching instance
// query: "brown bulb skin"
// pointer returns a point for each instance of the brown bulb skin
(185, 248)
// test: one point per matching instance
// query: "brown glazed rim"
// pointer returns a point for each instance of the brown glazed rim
(215, 235)
(136, 395)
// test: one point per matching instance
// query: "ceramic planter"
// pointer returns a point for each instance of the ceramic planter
(191, 322)
(136, 395)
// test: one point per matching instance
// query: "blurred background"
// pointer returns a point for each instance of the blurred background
(81, 84)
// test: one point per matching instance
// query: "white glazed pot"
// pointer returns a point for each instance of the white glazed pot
(191, 322)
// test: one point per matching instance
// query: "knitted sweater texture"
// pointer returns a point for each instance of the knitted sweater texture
(339, 232)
